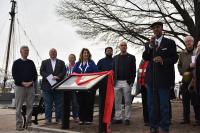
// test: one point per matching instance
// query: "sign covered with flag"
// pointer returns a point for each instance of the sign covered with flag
(87, 81)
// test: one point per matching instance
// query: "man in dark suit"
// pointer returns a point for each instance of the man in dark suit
(162, 55)
(55, 69)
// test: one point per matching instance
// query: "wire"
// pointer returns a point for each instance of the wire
(31, 43)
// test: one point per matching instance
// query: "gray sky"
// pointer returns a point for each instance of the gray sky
(46, 30)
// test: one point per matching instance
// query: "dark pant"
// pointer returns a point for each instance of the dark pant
(102, 97)
(170, 111)
(186, 98)
(75, 106)
(86, 105)
(144, 104)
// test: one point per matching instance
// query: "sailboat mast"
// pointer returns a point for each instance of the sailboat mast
(12, 14)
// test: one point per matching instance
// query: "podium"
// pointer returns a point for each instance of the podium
(84, 82)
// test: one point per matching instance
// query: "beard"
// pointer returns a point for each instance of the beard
(109, 55)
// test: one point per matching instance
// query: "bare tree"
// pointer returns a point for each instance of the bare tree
(130, 19)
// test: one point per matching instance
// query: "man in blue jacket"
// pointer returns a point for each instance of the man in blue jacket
(162, 55)
(104, 64)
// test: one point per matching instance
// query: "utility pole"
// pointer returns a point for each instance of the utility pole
(12, 14)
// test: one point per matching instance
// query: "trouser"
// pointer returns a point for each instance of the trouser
(86, 105)
(50, 97)
(186, 98)
(163, 121)
(122, 88)
(75, 106)
(22, 95)
(144, 104)
(102, 97)
(170, 110)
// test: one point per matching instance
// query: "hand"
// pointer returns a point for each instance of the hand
(131, 85)
(27, 84)
(192, 65)
(152, 41)
(158, 59)
(56, 77)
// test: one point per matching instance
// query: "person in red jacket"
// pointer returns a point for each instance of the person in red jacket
(141, 84)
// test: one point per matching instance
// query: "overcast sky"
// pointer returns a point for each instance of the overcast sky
(46, 29)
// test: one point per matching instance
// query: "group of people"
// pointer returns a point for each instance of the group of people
(156, 79)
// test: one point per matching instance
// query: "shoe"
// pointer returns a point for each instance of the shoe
(197, 123)
(117, 122)
(88, 123)
(81, 123)
(48, 122)
(161, 131)
(127, 122)
(28, 126)
(76, 119)
(19, 128)
(58, 121)
(185, 122)
(154, 130)
(146, 124)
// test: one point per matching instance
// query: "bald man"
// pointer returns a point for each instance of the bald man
(57, 69)
(124, 68)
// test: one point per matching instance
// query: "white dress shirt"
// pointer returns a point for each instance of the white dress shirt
(53, 63)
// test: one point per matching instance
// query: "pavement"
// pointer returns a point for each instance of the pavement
(7, 123)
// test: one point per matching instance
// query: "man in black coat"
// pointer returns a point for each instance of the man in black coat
(162, 55)
(55, 68)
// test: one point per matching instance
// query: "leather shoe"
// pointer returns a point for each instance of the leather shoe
(197, 123)
(127, 122)
(81, 123)
(117, 122)
(185, 122)
(154, 130)
(146, 124)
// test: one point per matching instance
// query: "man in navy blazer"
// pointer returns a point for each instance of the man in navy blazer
(57, 69)
(162, 55)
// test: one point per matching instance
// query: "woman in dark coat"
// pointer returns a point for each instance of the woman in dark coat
(85, 98)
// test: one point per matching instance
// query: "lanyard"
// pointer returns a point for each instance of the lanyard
(87, 65)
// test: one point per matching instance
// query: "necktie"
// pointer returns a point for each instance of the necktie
(156, 45)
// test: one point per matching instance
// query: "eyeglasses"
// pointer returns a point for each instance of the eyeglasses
(123, 45)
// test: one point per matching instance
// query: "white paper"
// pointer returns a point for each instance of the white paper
(51, 80)
(193, 59)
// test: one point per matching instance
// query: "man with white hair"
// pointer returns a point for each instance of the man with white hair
(185, 67)
(24, 74)
(54, 68)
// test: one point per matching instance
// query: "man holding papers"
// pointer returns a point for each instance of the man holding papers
(53, 71)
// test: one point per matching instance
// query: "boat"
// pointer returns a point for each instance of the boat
(6, 81)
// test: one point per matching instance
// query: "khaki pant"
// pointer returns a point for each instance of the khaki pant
(22, 95)
(122, 88)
